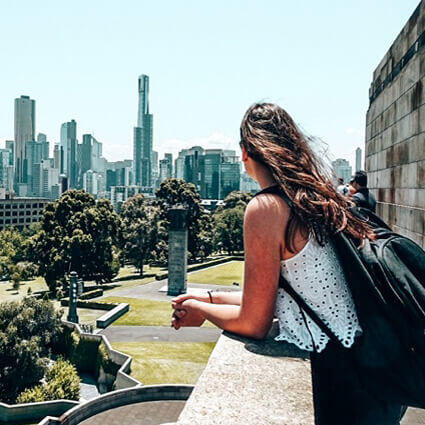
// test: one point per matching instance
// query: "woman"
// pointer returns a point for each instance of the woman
(291, 240)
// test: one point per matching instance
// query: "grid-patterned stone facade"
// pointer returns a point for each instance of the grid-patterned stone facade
(395, 131)
(21, 212)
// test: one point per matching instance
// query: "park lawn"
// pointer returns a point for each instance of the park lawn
(130, 270)
(7, 293)
(142, 312)
(224, 274)
(166, 362)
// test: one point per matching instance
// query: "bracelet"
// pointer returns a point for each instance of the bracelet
(211, 300)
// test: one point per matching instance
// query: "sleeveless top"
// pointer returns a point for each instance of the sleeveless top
(316, 274)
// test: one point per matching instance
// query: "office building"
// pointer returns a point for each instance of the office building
(143, 137)
(24, 132)
(166, 167)
(193, 166)
(6, 170)
(21, 212)
(93, 182)
(247, 184)
(10, 144)
(42, 138)
(230, 173)
(179, 164)
(210, 188)
(342, 169)
(119, 194)
(68, 147)
(45, 180)
(358, 159)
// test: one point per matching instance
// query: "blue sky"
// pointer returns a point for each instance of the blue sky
(207, 62)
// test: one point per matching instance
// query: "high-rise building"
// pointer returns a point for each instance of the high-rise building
(6, 170)
(179, 164)
(358, 159)
(211, 174)
(193, 166)
(45, 179)
(42, 138)
(33, 157)
(342, 169)
(57, 157)
(155, 168)
(68, 145)
(247, 184)
(143, 137)
(24, 132)
(230, 173)
(92, 182)
(166, 167)
(10, 144)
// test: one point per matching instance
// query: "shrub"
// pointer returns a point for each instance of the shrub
(91, 294)
(62, 382)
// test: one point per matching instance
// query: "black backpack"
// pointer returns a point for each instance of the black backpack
(387, 280)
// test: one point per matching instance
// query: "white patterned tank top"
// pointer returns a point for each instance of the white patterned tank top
(316, 275)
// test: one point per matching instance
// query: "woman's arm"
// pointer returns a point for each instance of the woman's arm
(229, 297)
(264, 225)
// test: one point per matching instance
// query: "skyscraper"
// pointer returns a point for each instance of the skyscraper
(358, 159)
(42, 138)
(24, 132)
(10, 144)
(143, 136)
(342, 169)
(68, 147)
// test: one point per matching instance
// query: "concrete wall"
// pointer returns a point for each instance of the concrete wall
(120, 398)
(395, 131)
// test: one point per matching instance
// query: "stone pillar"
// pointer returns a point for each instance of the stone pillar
(177, 251)
(73, 296)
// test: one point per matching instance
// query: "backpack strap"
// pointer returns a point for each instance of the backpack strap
(283, 283)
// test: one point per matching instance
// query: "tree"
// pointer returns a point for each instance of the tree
(77, 234)
(13, 249)
(228, 234)
(139, 230)
(177, 192)
(229, 229)
(27, 330)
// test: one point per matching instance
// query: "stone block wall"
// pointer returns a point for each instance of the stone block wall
(395, 131)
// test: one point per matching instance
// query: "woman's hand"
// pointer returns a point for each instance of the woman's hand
(186, 313)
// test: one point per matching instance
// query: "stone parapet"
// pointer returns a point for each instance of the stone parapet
(252, 382)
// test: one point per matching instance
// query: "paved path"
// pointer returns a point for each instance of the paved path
(160, 333)
(146, 413)
(151, 291)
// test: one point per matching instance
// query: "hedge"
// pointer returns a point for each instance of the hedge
(89, 304)
(195, 267)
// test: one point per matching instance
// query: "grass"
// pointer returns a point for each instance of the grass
(224, 274)
(7, 293)
(142, 312)
(166, 362)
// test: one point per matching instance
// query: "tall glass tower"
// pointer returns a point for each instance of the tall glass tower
(24, 132)
(143, 136)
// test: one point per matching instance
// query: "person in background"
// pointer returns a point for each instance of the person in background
(363, 197)
(342, 188)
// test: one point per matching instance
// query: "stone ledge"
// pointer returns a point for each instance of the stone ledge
(252, 382)
(112, 315)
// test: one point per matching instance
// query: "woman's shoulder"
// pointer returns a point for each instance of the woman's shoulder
(267, 210)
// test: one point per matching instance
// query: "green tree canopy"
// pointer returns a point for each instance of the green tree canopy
(228, 218)
(77, 234)
(13, 249)
(177, 192)
(139, 230)
(27, 330)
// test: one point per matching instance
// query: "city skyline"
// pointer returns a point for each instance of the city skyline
(206, 67)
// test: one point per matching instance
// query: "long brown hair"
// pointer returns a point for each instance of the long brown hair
(270, 136)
